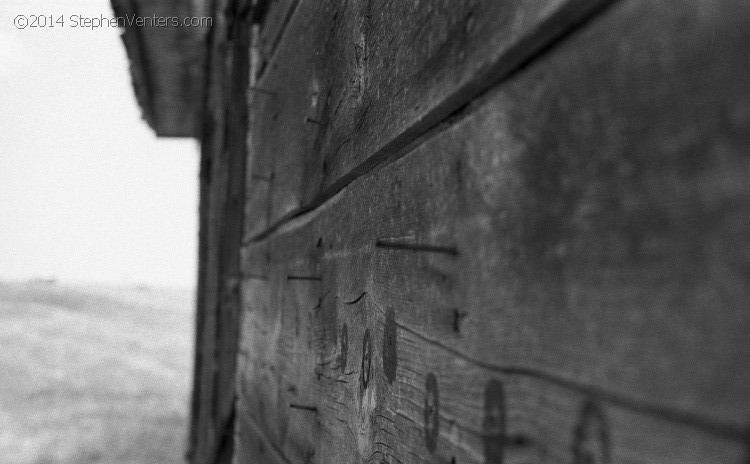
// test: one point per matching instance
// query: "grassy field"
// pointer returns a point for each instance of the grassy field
(94, 374)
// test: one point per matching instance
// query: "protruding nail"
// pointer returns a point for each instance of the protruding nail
(313, 121)
(393, 245)
(458, 317)
(297, 277)
(303, 407)
(262, 90)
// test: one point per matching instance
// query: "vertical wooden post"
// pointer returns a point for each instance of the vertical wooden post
(223, 159)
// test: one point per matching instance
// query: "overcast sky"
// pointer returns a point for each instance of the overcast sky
(87, 193)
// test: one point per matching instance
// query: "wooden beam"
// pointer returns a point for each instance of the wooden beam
(549, 277)
(376, 76)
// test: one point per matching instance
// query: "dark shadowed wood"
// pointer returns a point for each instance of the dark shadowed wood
(167, 63)
(229, 305)
(203, 427)
(222, 217)
(355, 81)
(557, 275)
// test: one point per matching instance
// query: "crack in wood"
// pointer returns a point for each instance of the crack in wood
(710, 426)
(356, 300)
(549, 34)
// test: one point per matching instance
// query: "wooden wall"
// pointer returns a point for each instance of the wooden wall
(476, 232)
(222, 190)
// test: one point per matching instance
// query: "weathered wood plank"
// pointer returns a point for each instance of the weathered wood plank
(230, 240)
(314, 403)
(354, 81)
(253, 445)
(272, 18)
(223, 157)
(212, 183)
(572, 236)
(166, 65)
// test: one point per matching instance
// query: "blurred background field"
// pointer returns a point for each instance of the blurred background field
(90, 374)
(94, 374)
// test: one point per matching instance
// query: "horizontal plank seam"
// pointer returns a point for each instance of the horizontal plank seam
(456, 106)
(710, 426)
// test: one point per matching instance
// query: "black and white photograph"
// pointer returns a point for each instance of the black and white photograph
(374, 232)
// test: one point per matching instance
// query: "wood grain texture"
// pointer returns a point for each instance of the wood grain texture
(233, 221)
(272, 17)
(440, 409)
(166, 64)
(559, 274)
(223, 158)
(354, 81)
